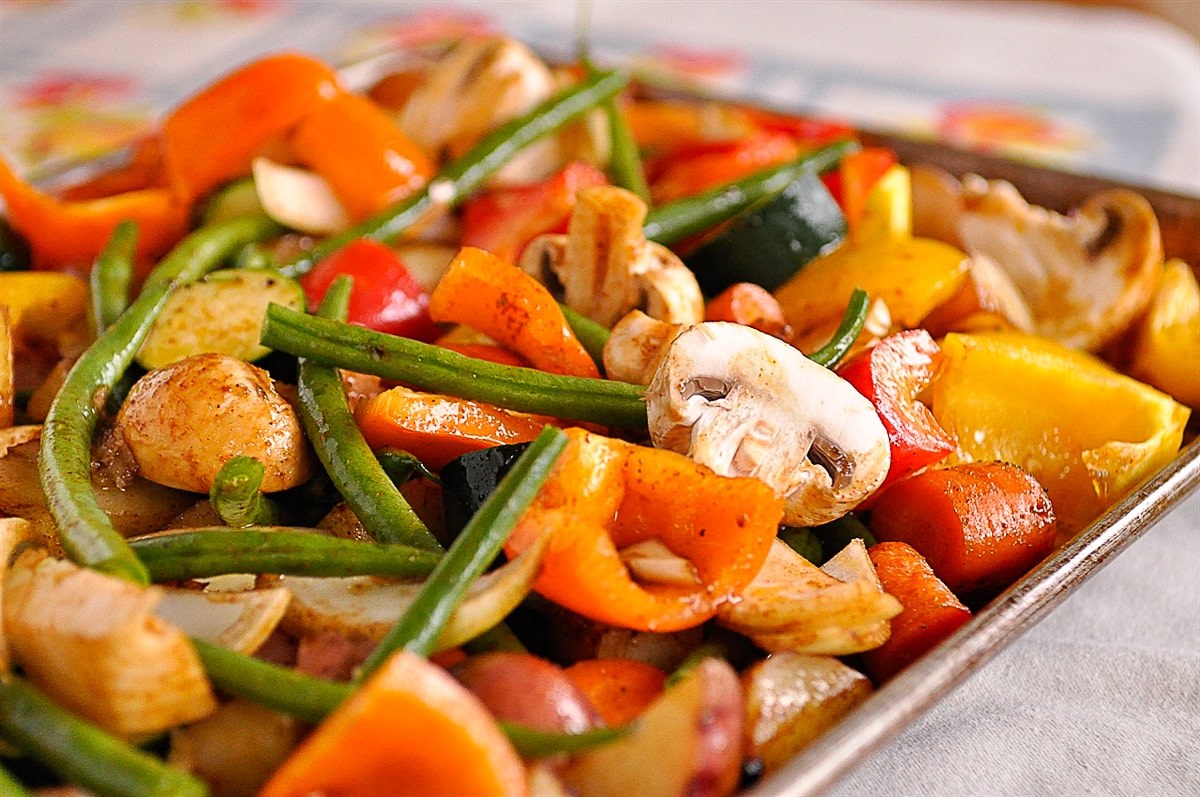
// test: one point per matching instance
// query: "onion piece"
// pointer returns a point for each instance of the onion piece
(368, 607)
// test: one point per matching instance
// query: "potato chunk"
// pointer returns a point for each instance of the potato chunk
(185, 421)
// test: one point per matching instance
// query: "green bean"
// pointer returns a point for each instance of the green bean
(625, 162)
(64, 466)
(803, 541)
(439, 370)
(534, 743)
(592, 334)
(330, 426)
(475, 548)
(81, 753)
(270, 685)
(206, 552)
(683, 218)
(236, 498)
(459, 179)
(10, 786)
(400, 466)
(847, 332)
(112, 275)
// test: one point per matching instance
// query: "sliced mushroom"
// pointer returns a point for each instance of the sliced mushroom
(1085, 276)
(480, 84)
(635, 347)
(747, 404)
(604, 267)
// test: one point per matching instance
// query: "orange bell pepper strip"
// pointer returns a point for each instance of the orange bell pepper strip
(435, 429)
(361, 152)
(67, 235)
(214, 135)
(605, 495)
(500, 300)
(410, 729)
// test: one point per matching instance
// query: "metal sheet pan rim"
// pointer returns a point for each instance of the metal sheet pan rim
(914, 691)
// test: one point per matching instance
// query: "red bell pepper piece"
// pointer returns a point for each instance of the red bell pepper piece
(214, 135)
(892, 374)
(703, 166)
(504, 220)
(385, 296)
(361, 152)
(856, 175)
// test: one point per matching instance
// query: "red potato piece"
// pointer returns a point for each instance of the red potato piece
(528, 690)
(688, 743)
(979, 525)
(931, 611)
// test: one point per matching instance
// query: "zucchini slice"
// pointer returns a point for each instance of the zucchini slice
(233, 200)
(773, 239)
(221, 313)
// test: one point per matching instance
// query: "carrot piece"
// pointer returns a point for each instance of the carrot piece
(410, 729)
(604, 495)
(979, 525)
(436, 429)
(620, 689)
(500, 300)
(361, 152)
(214, 135)
(931, 611)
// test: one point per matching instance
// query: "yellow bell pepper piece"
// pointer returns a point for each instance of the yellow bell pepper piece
(911, 275)
(888, 209)
(48, 306)
(1087, 432)
(1166, 353)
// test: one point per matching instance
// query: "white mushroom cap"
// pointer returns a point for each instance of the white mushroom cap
(745, 403)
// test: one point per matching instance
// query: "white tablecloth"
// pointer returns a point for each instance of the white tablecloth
(1103, 696)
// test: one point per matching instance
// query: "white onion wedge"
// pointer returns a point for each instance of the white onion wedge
(368, 607)
(299, 199)
(240, 620)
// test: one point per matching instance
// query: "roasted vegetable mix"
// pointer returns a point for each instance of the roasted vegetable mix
(527, 432)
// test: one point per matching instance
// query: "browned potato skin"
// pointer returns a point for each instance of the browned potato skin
(528, 690)
(183, 422)
(236, 749)
(792, 698)
(688, 743)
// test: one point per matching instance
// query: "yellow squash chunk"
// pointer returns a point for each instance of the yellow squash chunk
(1086, 432)
(911, 275)
(1167, 349)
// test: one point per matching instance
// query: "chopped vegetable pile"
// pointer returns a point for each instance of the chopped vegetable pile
(501, 428)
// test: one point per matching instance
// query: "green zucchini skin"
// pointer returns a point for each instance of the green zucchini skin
(773, 239)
